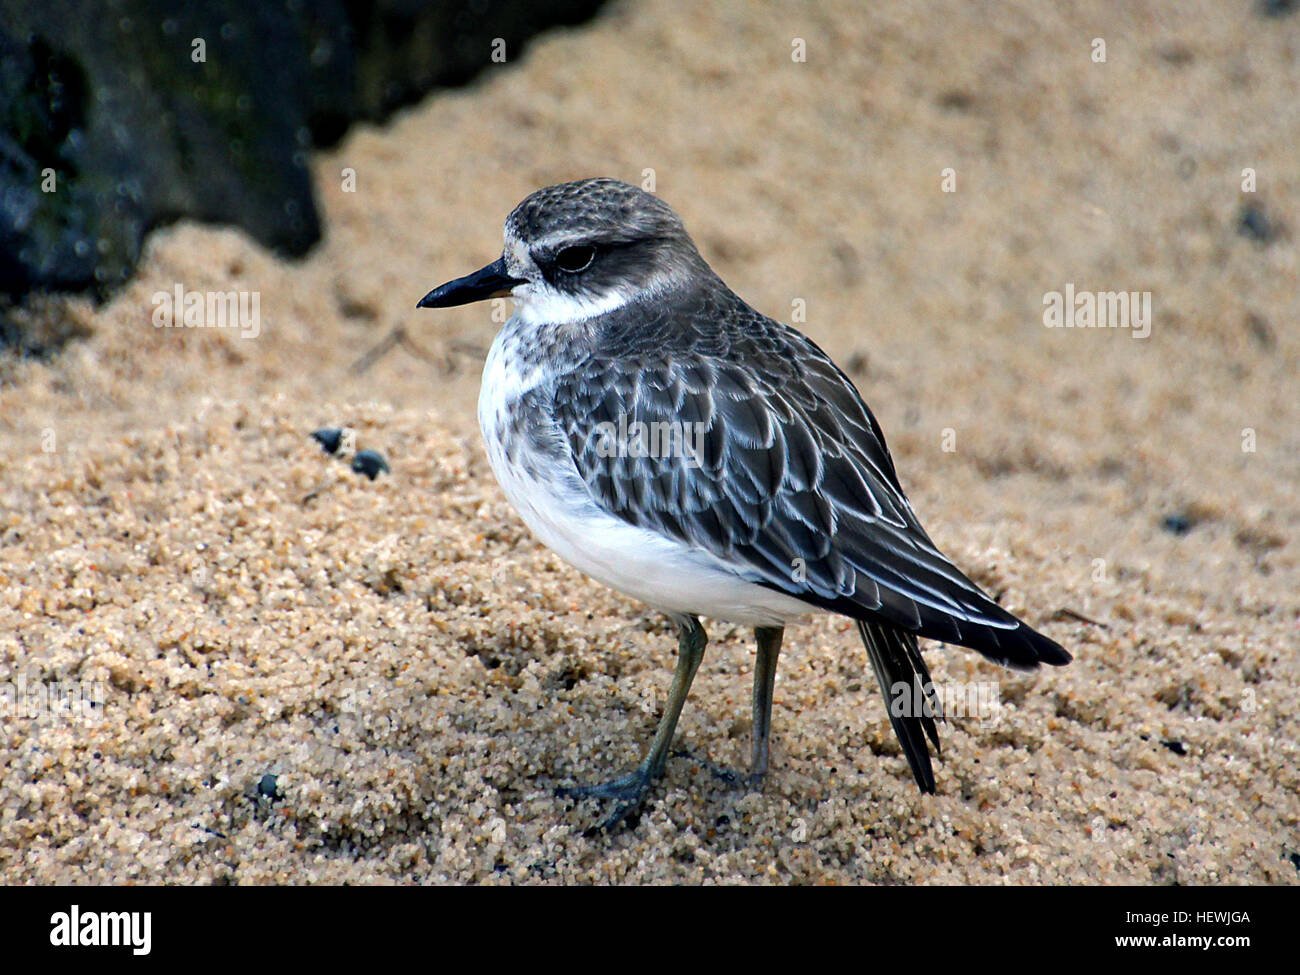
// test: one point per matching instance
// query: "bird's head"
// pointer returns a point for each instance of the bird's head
(577, 250)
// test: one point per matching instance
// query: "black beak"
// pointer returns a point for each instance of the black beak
(489, 282)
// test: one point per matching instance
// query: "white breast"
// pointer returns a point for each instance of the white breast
(556, 505)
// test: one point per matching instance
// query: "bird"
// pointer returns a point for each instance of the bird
(671, 442)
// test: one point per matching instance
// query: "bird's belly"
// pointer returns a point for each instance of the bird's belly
(657, 570)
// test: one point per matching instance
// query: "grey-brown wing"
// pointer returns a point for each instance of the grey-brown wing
(782, 472)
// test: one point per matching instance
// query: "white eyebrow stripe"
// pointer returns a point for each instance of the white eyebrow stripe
(557, 240)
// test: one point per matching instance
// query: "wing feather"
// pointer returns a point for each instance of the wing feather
(778, 468)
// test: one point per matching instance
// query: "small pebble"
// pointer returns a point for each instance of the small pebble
(329, 439)
(369, 463)
(1255, 224)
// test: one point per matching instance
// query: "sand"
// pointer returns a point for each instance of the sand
(419, 675)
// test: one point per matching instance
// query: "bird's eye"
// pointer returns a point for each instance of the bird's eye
(574, 259)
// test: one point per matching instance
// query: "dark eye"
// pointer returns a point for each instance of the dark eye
(574, 259)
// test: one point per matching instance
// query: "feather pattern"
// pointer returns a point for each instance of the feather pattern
(772, 463)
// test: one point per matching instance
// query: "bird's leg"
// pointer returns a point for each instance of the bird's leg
(769, 648)
(630, 790)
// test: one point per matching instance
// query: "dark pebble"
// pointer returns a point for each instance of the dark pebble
(329, 439)
(369, 463)
(1254, 224)
(1277, 8)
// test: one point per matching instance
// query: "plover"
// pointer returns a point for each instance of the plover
(662, 436)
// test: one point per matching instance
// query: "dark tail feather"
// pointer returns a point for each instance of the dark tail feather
(897, 661)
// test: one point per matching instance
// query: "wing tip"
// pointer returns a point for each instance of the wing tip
(1046, 650)
(1022, 648)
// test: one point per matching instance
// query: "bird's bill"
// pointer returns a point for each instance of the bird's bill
(488, 282)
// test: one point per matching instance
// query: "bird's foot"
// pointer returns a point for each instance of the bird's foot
(628, 792)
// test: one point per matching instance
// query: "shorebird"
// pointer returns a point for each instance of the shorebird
(668, 440)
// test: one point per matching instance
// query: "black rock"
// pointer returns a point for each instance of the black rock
(111, 125)
(112, 128)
